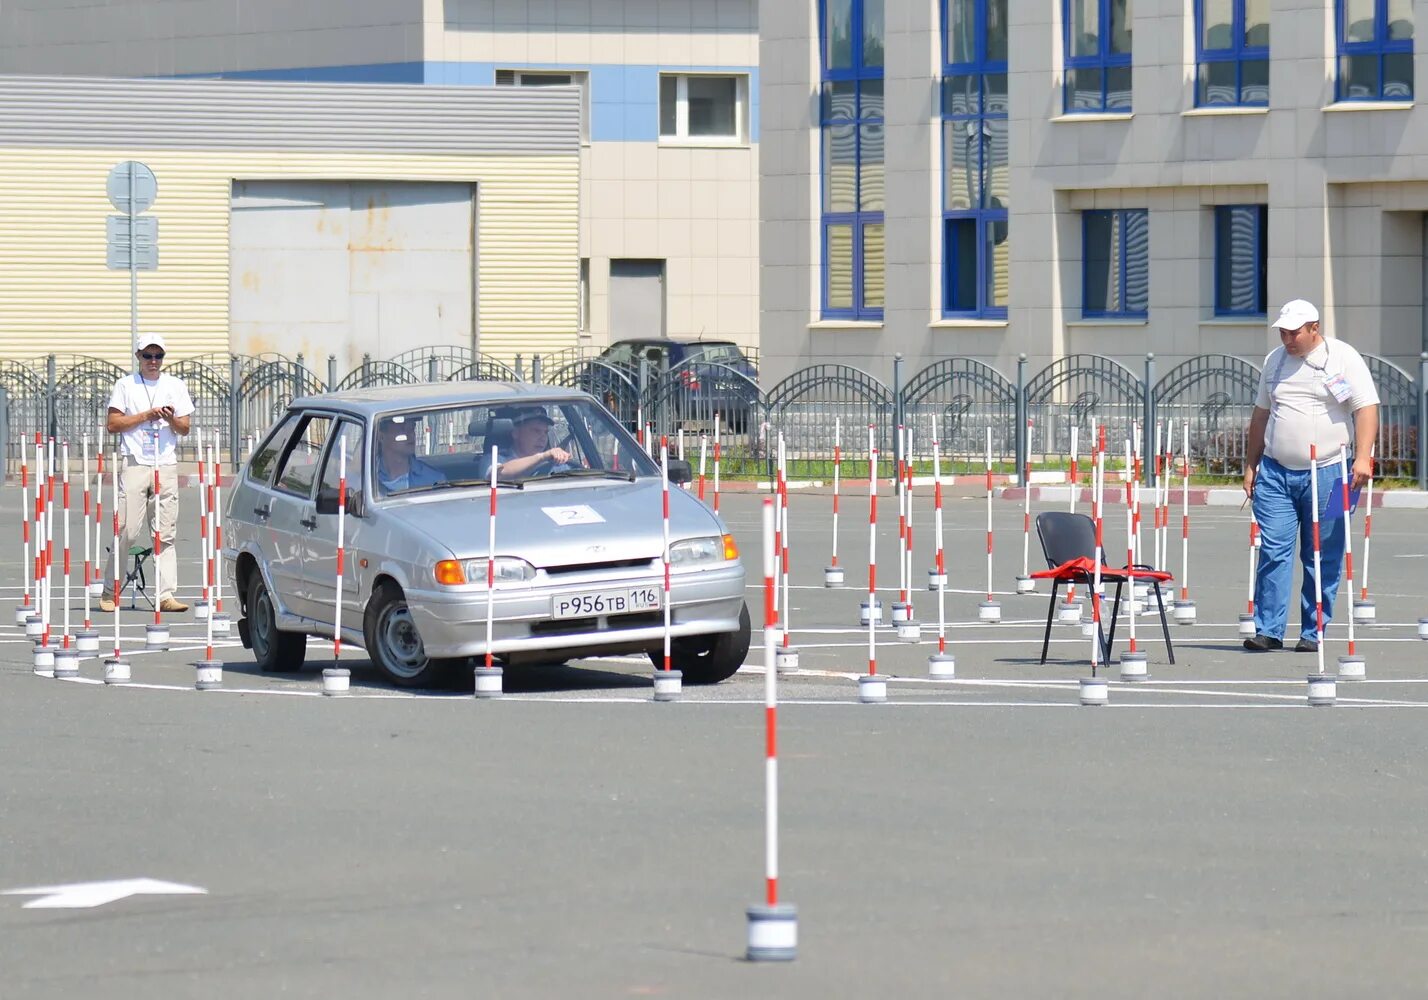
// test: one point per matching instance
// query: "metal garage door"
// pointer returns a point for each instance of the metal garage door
(345, 268)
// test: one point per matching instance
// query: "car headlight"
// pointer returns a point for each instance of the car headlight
(509, 571)
(693, 551)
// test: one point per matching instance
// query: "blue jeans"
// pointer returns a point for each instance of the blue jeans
(1282, 508)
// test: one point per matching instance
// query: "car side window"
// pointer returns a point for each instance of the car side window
(260, 466)
(348, 440)
(299, 466)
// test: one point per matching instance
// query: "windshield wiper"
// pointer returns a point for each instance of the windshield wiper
(445, 483)
(629, 477)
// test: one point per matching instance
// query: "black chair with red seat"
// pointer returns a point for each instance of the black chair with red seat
(1068, 541)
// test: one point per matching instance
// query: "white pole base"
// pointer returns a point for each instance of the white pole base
(96, 589)
(901, 612)
(1141, 590)
(773, 933)
(1247, 626)
(941, 666)
(668, 684)
(833, 576)
(1095, 691)
(1322, 690)
(116, 671)
(156, 638)
(336, 680)
(786, 659)
(1133, 606)
(936, 580)
(45, 660)
(1423, 628)
(208, 675)
(1068, 612)
(200, 611)
(34, 627)
(221, 622)
(863, 613)
(1025, 585)
(1184, 612)
(909, 631)
(989, 611)
(23, 613)
(1351, 667)
(1088, 626)
(86, 640)
(66, 662)
(1133, 667)
(489, 682)
(872, 688)
(1365, 613)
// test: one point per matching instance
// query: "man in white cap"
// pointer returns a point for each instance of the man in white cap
(1317, 392)
(150, 411)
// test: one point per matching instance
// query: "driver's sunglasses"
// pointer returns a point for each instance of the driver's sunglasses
(147, 356)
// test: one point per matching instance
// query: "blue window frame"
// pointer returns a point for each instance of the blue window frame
(1241, 259)
(1231, 53)
(1375, 42)
(1097, 38)
(976, 255)
(1115, 263)
(851, 37)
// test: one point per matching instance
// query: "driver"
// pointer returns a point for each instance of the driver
(398, 465)
(530, 438)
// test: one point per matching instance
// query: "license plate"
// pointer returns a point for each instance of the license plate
(606, 602)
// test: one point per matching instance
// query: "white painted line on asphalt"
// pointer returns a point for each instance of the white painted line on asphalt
(86, 895)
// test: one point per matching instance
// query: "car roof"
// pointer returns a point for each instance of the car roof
(384, 399)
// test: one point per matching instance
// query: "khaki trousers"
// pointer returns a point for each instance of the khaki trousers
(136, 527)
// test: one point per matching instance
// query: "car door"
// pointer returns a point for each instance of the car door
(319, 562)
(292, 510)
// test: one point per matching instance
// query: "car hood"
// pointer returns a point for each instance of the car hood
(558, 525)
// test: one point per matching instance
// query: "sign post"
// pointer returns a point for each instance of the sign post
(132, 241)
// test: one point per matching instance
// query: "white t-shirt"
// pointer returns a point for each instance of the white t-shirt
(1312, 401)
(133, 394)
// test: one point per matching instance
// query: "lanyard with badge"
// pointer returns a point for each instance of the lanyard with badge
(1337, 385)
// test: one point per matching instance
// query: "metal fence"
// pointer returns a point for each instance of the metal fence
(955, 400)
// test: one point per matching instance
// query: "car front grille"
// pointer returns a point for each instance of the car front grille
(580, 626)
(589, 567)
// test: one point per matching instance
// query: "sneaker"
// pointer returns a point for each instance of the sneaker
(170, 604)
(106, 605)
(1306, 646)
(1262, 643)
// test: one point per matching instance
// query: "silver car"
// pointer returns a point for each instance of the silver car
(578, 557)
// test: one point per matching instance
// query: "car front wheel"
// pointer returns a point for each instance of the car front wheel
(708, 659)
(394, 644)
(276, 652)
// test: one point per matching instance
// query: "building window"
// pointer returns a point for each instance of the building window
(851, 126)
(552, 78)
(1098, 55)
(1115, 262)
(1241, 259)
(1232, 53)
(1375, 50)
(702, 109)
(976, 257)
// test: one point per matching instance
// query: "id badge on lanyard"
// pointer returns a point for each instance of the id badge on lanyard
(1338, 387)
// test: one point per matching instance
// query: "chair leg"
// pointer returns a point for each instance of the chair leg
(1050, 611)
(1115, 614)
(1164, 626)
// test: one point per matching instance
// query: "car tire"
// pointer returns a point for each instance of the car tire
(708, 659)
(394, 644)
(275, 652)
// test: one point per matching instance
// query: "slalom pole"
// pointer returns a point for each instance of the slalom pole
(1351, 665)
(208, 672)
(783, 555)
(98, 584)
(204, 607)
(1318, 585)
(989, 610)
(908, 630)
(1026, 510)
(116, 669)
(1185, 608)
(833, 573)
(1098, 491)
(49, 538)
(64, 466)
(1365, 608)
(85, 518)
(1074, 488)
(703, 457)
(1133, 661)
(778, 522)
(716, 463)
(156, 636)
(1157, 471)
(210, 546)
(772, 926)
(38, 533)
(1133, 470)
(941, 665)
(899, 609)
(215, 507)
(1068, 610)
(1247, 627)
(24, 610)
(667, 682)
(871, 687)
(488, 676)
(335, 679)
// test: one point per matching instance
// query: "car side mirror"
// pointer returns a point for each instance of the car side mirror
(680, 471)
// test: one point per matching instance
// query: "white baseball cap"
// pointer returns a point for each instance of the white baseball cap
(152, 340)
(1296, 313)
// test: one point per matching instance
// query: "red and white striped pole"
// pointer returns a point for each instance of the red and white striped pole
(941, 665)
(716, 463)
(772, 926)
(66, 657)
(1247, 626)
(215, 515)
(25, 609)
(1363, 609)
(833, 573)
(208, 672)
(667, 682)
(1351, 665)
(703, 458)
(116, 668)
(787, 656)
(1318, 579)
(1073, 483)
(900, 611)
(989, 610)
(98, 586)
(203, 608)
(1133, 661)
(50, 463)
(488, 676)
(34, 625)
(1185, 608)
(156, 636)
(86, 640)
(778, 522)
(871, 687)
(88, 569)
(1069, 610)
(337, 679)
(1094, 689)
(1024, 583)
(908, 630)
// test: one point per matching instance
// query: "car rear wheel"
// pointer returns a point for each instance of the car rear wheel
(708, 659)
(394, 644)
(276, 652)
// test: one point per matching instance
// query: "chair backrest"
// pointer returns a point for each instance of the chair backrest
(1065, 536)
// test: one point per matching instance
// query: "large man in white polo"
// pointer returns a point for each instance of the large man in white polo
(150, 411)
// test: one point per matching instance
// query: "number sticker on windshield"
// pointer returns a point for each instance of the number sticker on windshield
(577, 514)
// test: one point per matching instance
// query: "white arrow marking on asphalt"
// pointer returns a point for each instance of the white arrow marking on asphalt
(81, 895)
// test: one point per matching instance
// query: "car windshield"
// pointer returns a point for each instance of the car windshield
(420, 450)
(718, 354)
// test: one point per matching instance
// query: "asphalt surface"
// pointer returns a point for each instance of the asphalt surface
(1207, 833)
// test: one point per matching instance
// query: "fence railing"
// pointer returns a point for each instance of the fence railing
(819, 408)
